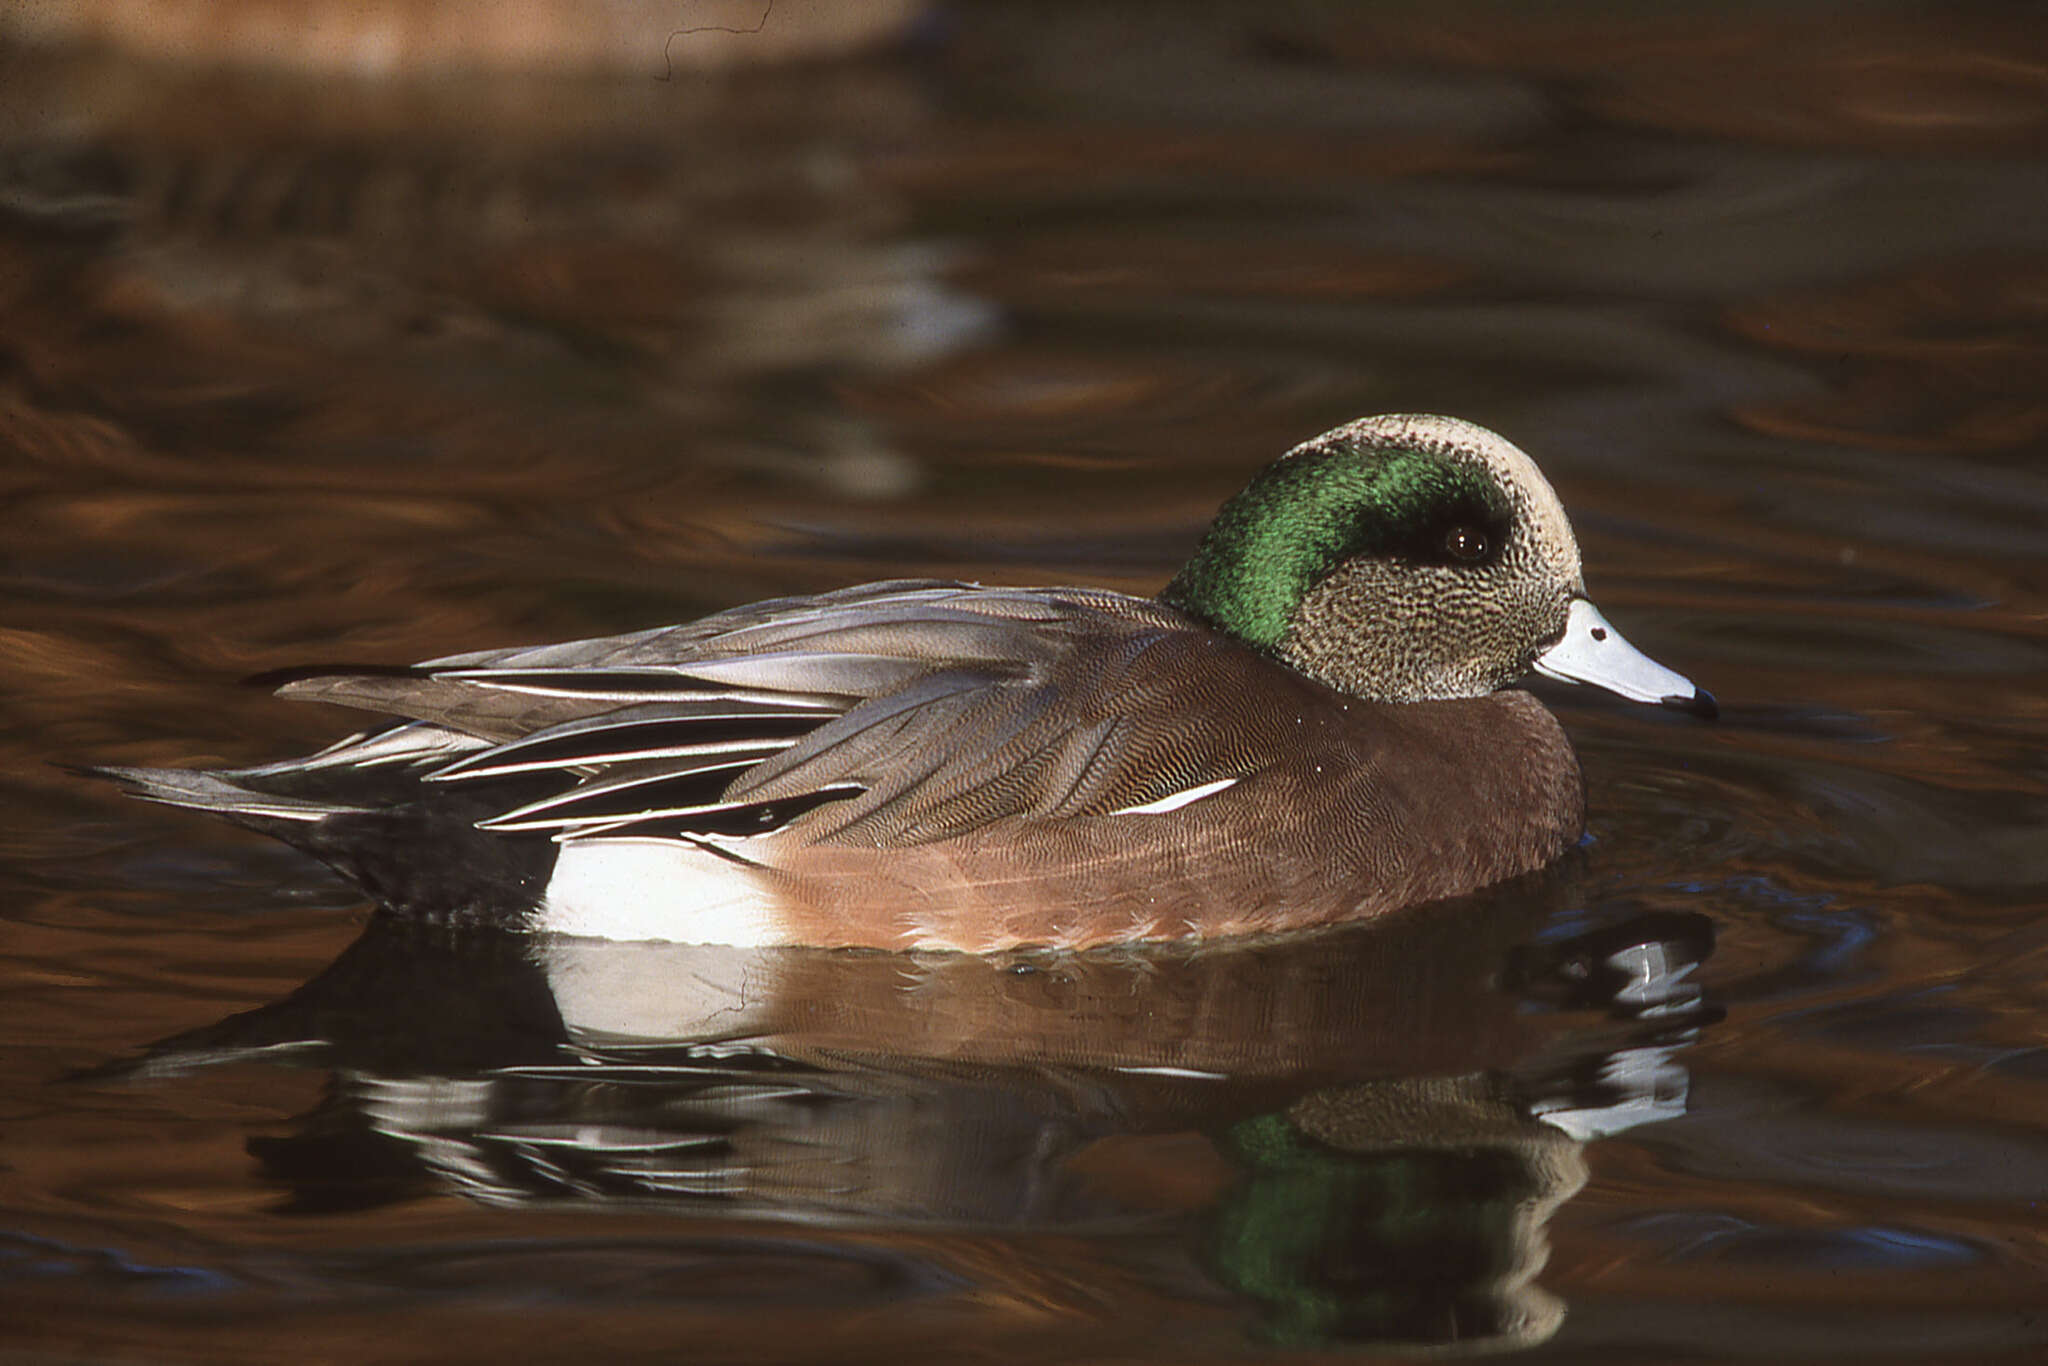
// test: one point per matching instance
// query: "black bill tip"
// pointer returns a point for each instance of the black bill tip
(1700, 704)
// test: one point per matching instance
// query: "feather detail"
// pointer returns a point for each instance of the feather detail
(638, 735)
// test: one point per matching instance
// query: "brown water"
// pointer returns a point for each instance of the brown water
(301, 370)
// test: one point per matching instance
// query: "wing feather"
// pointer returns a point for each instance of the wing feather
(637, 735)
(887, 713)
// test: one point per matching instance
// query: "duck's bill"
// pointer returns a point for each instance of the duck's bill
(1592, 651)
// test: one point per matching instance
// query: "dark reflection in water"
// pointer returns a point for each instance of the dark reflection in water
(1359, 1133)
(485, 351)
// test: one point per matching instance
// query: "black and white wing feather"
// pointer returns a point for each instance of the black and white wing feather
(887, 714)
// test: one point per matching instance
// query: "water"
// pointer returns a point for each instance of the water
(294, 368)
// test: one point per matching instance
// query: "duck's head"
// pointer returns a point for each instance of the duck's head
(1411, 557)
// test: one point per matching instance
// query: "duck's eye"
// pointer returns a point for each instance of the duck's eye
(1466, 543)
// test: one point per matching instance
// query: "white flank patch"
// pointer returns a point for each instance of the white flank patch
(657, 890)
(1176, 800)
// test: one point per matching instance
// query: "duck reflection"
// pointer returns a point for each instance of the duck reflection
(1412, 1210)
(1360, 1134)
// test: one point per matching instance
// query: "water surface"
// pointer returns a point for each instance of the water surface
(298, 368)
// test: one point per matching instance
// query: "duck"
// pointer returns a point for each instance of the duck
(1315, 722)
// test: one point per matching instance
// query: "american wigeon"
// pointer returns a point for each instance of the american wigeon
(1314, 722)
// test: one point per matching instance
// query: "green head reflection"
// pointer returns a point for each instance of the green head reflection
(1401, 1212)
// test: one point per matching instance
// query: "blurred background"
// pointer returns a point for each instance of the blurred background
(385, 330)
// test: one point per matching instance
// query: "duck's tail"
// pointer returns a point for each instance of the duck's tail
(424, 860)
(220, 793)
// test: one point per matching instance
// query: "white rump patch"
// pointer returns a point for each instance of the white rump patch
(1176, 800)
(658, 890)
